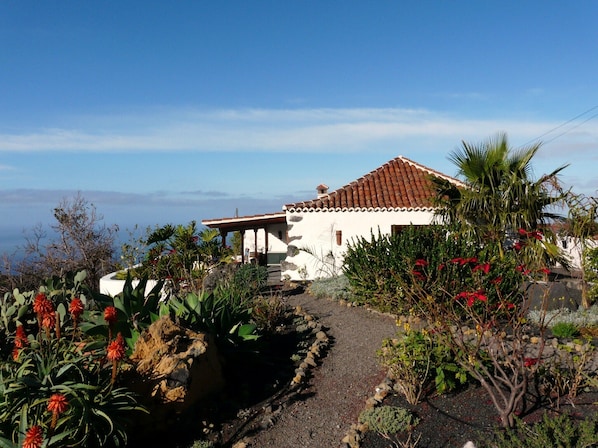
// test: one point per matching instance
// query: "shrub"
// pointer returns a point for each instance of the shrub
(181, 255)
(472, 295)
(268, 312)
(335, 288)
(417, 359)
(388, 420)
(552, 431)
(564, 330)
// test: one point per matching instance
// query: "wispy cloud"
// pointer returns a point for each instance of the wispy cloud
(285, 130)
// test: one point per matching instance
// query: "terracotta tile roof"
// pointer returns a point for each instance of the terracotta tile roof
(398, 184)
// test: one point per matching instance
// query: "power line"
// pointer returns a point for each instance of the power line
(570, 129)
(565, 124)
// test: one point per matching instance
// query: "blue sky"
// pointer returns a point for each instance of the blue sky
(171, 111)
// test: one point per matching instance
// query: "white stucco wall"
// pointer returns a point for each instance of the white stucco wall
(316, 231)
(572, 248)
(276, 240)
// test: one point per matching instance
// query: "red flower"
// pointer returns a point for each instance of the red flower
(545, 271)
(41, 305)
(49, 320)
(463, 261)
(536, 234)
(418, 275)
(507, 305)
(57, 404)
(76, 307)
(116, 349)
(528, 362)
(497, 280)
(110, 314)
(484, 267)
(421, 262)
(471, 297)
(522, 269)
(15, 354)
(522, 232)
(21, 337)
(518, 246)
(34, 437)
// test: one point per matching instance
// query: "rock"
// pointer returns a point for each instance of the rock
(175, 367)
(321, 336)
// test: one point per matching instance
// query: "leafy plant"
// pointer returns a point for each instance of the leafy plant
(268, 312)
(336, 288)
(136, 309)
(553, 431)
(218, 313)
(182, 256)
(388, 420)
(416, 359)
(564, 330)
(56, 387)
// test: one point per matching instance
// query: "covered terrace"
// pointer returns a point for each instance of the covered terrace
(254, 223)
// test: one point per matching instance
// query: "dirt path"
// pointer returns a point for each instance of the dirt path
(339, 386)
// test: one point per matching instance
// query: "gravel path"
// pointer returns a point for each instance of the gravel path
(338, 387)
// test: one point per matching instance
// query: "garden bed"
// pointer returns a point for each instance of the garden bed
(448, 421)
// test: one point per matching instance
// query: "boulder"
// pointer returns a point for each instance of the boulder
(175, 367)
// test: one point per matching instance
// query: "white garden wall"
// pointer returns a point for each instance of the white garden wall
(313, 249)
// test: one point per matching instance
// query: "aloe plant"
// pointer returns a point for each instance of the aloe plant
(57, 381)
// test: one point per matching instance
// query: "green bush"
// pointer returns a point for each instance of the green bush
(335, 288)
(381, 271)
(181, 255)
(268, 312)
(591, 273)
(552, 431)
(417, 359)
(564, 330)
(388, 420)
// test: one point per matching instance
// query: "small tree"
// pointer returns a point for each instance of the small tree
(82, 242)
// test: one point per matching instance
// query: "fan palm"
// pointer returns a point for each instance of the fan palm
(501, 195)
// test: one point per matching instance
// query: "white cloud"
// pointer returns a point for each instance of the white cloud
(284, 130)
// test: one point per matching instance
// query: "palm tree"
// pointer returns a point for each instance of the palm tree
(501, 195)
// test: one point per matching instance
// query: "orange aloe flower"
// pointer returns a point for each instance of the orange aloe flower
(21, 337)
(110, 314)
(115, 353)
(57, 405)
(34, 437)
(76, 308)
(116, 349)
(41, 304)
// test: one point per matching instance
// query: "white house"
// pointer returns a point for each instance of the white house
(309, 238)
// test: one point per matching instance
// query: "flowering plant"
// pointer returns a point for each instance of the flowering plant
(473, 297)
(59, 386)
